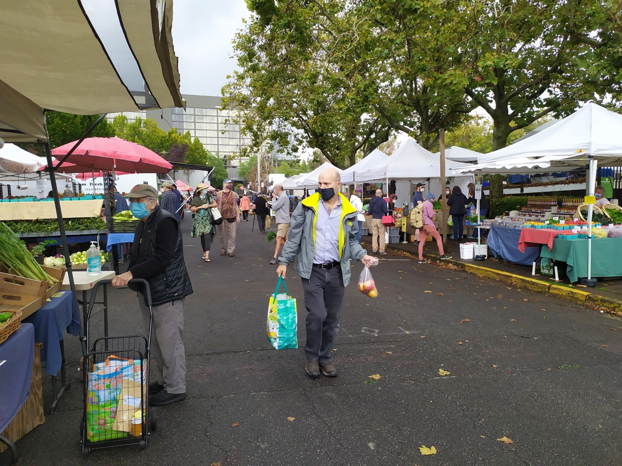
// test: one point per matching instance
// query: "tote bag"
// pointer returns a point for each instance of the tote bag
(282, 321)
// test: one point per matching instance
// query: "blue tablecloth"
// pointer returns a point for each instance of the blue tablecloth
(118, 238)
(503, 242)
(16, 373)
(50, 323)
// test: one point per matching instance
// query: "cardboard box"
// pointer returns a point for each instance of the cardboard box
(31, 414)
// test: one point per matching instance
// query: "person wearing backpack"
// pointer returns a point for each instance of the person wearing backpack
(418, 200)
(428, 215)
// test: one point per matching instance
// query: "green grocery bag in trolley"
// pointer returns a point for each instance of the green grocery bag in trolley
(282, 319)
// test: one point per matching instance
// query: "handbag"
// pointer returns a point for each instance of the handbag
(216, 217)
(388, 220)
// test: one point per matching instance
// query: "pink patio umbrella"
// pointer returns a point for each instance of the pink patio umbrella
(113, 154)
(182, 186)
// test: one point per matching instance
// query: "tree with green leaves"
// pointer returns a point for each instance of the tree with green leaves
(300, 83)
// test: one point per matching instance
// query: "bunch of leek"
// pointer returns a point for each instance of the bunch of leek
(17, 259)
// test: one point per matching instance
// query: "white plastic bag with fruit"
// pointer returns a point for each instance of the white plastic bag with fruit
(367, 285)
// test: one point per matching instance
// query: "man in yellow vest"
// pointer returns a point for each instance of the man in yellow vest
(322, 239)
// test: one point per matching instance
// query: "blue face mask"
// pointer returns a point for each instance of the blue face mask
(139, 210)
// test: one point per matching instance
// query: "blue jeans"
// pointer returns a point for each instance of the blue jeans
(458, 226)
(358, 233)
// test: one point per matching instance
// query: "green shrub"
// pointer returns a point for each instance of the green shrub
(506, 204)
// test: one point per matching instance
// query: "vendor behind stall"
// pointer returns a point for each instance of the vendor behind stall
(599, 193)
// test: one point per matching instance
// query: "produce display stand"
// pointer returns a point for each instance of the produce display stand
(53, 239)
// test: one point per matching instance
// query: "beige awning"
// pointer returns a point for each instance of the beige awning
(83, 57)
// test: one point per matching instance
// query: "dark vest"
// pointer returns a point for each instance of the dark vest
(174, 282)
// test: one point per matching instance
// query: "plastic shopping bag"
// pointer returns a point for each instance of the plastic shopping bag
(282, 319)
(367, 285)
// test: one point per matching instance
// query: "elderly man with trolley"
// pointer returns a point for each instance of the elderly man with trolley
(158, 257)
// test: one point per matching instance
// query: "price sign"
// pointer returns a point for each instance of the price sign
(41, 185)
(478, 187)
(590, 200)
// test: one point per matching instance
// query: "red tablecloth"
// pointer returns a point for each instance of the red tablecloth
(534, 237)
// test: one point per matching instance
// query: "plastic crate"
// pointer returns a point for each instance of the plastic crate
(394, 238)
(364, 232)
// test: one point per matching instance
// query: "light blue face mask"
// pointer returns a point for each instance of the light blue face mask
(139, 210)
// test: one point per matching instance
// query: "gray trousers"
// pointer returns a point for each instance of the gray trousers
(227, 236)
(167, 346)
(324, 292)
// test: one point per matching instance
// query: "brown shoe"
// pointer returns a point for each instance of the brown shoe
(223, 252)
(230, 254)
(313, 368)
(328, 369)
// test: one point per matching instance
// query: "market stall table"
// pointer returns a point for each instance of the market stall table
(16, 359)
(58, 314)
(606, 253)
(84, 282)
(503, 242)
(536, 236)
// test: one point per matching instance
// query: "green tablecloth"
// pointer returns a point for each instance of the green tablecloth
(606, 257)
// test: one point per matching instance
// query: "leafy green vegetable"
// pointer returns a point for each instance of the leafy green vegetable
(17, 259)
(50, 226)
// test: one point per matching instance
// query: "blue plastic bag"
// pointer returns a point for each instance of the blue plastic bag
(282, 319)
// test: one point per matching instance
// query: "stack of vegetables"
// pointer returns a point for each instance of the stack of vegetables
(124, 222)
(16, 258)
(616, 216)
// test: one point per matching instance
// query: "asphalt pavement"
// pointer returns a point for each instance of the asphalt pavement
(539, 371)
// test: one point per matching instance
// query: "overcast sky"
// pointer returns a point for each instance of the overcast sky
(202, 34)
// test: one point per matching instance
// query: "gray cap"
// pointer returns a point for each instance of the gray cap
(142, 190)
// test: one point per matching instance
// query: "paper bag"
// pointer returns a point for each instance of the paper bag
(129, 402)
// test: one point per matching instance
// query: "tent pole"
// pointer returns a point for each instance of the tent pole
(591, 282)
(444, 233)
(479, 230)
(63, 236)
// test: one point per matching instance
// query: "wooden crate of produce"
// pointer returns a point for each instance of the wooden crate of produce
(17, 293)
(31, 413)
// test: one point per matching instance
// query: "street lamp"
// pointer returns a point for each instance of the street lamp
(218, 107)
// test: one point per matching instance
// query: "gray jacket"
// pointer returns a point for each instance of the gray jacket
(280, 206)
(300, 242)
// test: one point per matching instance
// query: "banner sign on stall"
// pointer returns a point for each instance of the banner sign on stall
(590, 200)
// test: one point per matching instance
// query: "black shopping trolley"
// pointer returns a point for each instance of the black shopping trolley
(116, 386)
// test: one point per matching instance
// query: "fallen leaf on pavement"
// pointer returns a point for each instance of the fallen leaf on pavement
(494, 365)
(443, 372)
(505, 440)
(465, 320)
(375, 376)
(290, 419)
(388, 352)
(525, 299)
(440, 294)
(605, 346)
(215, 464)
(512, 320)
(425, 451)
(235, 424)
(427, 291)
(459, 342)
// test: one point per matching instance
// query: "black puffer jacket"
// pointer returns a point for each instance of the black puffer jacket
(174, 282)
(457, 203)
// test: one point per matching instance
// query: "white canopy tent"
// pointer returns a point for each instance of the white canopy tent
(460, 154)
(376, 157)
(309, 181)
(411, 163)
(290, 183)
(14, 159)
(592, 134)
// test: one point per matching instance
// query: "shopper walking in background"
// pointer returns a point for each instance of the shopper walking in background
(201, 207)
(261, 210)
(245, 206)
(457, 209)
(357, 203)
(418, 200)
(169, 201)
(280, 206)
(227, 201)
(377, 208)
(429, 228)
